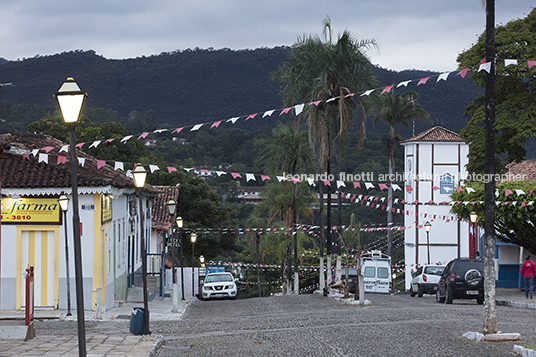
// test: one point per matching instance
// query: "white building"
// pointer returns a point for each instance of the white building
(434, 166)
(33, 227)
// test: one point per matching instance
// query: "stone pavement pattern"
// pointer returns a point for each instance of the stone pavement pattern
(312, 325)
(305, 325)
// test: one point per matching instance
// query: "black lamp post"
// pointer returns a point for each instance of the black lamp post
(427, 227)
(171, 206)
(140, 174)
(193, 237)
(64, 205)
(473, 217)
(70, 100)
(180, 223)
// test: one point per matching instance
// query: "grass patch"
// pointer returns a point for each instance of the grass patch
(530, 346)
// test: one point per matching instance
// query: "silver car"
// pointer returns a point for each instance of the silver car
(425, 280)
(219, 285)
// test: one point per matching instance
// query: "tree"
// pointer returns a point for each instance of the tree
(514, 223)
(318, 70)
(287, 150)
(515, 120)
(393, 110)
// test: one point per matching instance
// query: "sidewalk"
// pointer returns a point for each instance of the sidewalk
(108, 336)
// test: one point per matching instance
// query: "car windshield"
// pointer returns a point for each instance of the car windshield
(218, 277)
(434, 270)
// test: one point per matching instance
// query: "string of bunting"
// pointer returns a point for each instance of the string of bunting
(298, 108)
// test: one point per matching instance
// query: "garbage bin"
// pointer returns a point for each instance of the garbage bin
(137, 321)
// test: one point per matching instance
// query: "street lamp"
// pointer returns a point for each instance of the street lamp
(193, 237)
(473, 217)
(172, 210)
(140, 174)
(64, 205)
(71, 100)
(180, 224)
(202, 261)
(427, 227)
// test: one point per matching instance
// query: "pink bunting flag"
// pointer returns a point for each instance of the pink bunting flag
(483, 60)
(387, 89)
(285, 111)
(79, 145)
(26, 157)
(423, 80)
(463, 72)
(48, 148)
(436, 188)
(508, 192)
(109, 140)
(100, 163)
(408, 188)
(171, 169)
(215, 124)
(235, 175)
(523, 204)
(178, 130)
(295, 180)
(327, 183)
(531, 63)
(382, 186)
(357, 184)
(265, 177)
(459, 189)
(61, 159)
(530, 193)
(251, 116)
(315, 103)
(143, 136)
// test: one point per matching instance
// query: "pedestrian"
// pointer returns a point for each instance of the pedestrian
(528, 270)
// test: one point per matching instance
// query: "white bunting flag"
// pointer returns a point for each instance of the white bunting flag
(43, 158)
(508, 62)
(443, 76)
(95, 144)
(485, 67)
(233, 120)
(299, 108)
(82, 161)
(267, 113)
(153, 168)
(119, 166)
(250, 177)
(196, 127)
(126, 138)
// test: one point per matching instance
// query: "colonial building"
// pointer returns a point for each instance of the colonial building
(434, 166)
(33, 226)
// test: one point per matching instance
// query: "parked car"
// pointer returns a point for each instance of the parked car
(219, 285)
(352, 278)
(463, 278)
(425, 280)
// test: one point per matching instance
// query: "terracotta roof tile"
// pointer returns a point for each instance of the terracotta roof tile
(436, 134)
(161, 217)
(526, 167)
(21, 172)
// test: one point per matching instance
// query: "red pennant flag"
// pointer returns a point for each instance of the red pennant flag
(100, 163)
(357, 184)
(48, 148)
(508, 192)
(463, 72)
(235, 175)
(459, 189)
(327, 183)
(382, 186)
(387, 89)
(109, 140)
(265, 177)
(435, 188)
(251, 116)
(79, 145)
(285, 111)
(408, 188)
(178, 130)
(215, 124)
(61, 159)
(315, 103)
(423, 80)
(171, 169)
(295, 180)
(143, 136)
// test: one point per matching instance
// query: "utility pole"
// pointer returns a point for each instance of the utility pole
(490, 314)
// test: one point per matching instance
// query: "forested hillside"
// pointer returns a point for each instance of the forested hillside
(191, 86)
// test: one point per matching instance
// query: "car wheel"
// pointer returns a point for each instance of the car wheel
(411, 292)
(438, 297)
(420, 291)
(448, 296)
(480, 300)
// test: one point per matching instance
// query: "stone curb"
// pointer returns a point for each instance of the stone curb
(156, 346)
(522, 305)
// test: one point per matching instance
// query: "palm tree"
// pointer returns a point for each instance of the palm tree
(287, 150)
(393, 110)
(318, 70)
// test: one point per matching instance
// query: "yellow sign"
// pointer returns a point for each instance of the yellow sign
(30, 210)
(106, 208)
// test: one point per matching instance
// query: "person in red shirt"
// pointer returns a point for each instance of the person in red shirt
(528, 270)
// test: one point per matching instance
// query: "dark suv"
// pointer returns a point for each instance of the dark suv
(462, 278)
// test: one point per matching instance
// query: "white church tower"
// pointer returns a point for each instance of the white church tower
(434, 166)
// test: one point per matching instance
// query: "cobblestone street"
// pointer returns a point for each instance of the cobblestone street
(312, 325)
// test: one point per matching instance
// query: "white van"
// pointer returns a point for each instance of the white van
(377, 272)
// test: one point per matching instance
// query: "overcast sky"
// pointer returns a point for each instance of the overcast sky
(412, 34)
